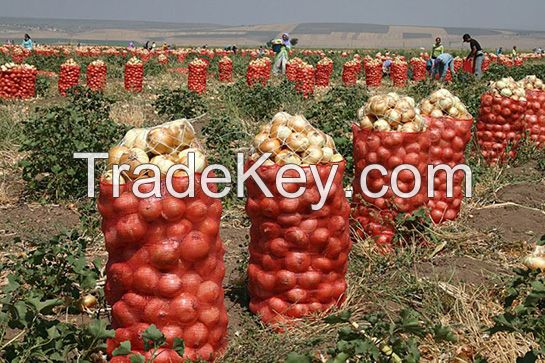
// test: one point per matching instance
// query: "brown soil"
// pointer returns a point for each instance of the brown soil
(236, 298)
(530, 195)
(526, 171)
(510, 222)
(460, 270)
(34, 220)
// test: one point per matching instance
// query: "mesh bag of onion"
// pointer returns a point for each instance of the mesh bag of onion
(225, 69)
(68, 76)
(298, 256)
(500, 125)
(399, 73)
(165, 257)
(534, 119)
(390, 133)
(197, 75)
(96, 75)
(134, 75)
(17, 81)
(373, 72)
(450, 131)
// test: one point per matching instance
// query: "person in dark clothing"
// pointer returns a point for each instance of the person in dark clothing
(146, 46)
(476, 54)
(234, 48)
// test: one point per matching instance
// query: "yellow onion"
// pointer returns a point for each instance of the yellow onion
(200, 159)
(297, 142)
(115, 154)
(134, 157)
(453, 112)
(382, 125)
(281, 118)
(337, 158)
(108, 177)
(87, 302)
(535, 262)
(329, 142)
(297, 123)
(366, 123)
(161, 141)
(445, 103)
(287, 157)
(183, 132)
(393, 117)
(327, 154)
(361, 113)
(270, 146)
(409, 127)
(316, 138)
(260, 138)
(313, 155)
(281, 132)
(379, 107)
(436, 113)
(163, 162)
(135, 138)
(408, 115)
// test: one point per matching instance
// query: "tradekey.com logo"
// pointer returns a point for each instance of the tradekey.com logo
(281, 179)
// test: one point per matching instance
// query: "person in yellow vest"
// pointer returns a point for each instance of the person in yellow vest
(437, 49)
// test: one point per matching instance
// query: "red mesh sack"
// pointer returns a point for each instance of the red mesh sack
(197, 74)
(17, 81)
(418, 66)
(134, 75)
(298, 257)
(165, 257)
(500, 127)
(68, 76)
(467, 66)
(350, 73)
(486, 63)
(165, 267)
(388, 149)
(399, 73)
(324, 69)
(449, 138)
(292, 68)
(373, 73)
(258, 71)
(225, 69)
(535, 117)
(518, 62)
(96, 75)
(305, 80)
(458, 64)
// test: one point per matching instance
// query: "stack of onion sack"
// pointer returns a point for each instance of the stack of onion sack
(17, 81)
(391, 132)
(196, 80)
(350, 73)
(500, 125)
(96, 75)
(165, 258)
(399, 72)
(298, 257)
(324, 69)
(306, 75)
(162, 59)
(534, 119)
(373, 72)
(68, 76)
(450, 124)
(418, 66)
(258, 71)
(225, 69)
(134, 75)
(292, 68)
(19, 54)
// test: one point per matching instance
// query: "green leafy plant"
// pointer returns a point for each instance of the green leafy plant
(524, 309)
(52, 136)
(335, 114)
(153, 340)
(180, 103)
(379, 339)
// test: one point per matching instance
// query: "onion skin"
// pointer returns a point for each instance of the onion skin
(161, 141)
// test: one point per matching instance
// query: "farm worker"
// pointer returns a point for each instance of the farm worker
(476, 53)
(386, 66)
(131, 45)
(281, 59)
(514, 52)
(437, 49)
(442, 65)
(153, 46)
(234, 49)
(27, 42)
(287, 41)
